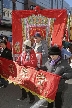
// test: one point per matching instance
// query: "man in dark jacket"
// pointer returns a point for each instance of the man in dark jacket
(5, 53)
(57, 65)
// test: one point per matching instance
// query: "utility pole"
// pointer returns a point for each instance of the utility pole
(62, 4)
(57, 4)
(51, 4)
(26, 5)
(13, 4)
(2, 8)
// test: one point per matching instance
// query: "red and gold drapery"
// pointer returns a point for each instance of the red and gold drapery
(41, 30)
(60, 16)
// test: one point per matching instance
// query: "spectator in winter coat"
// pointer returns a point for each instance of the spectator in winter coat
(8, 43)
(27, 58)
(65, 42)
(5, 53)
(66, 54)
(59, 66)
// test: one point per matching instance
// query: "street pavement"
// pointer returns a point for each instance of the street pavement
(9, 97)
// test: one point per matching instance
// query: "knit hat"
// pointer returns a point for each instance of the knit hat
(54, 50)
(37, 34)
(27, 43)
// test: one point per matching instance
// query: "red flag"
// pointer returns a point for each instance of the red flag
(8, 68)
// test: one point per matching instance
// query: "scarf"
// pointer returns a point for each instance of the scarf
(37, 45)
(53, 62)
(27, 55)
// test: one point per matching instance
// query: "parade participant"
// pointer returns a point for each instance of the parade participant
(59, 66)
(8, 43)
(27, 58)
(70, 48)
(65, 43)
(41, 46)
(5, 53)
(66, 53)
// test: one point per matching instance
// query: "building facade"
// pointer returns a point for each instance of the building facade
(54, 4)
(27, 4)
(6, 7)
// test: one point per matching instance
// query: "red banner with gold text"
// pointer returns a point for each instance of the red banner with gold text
(41, 83)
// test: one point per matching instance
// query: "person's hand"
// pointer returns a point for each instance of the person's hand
(64, 77)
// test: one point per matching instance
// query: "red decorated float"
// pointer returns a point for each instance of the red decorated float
(51, 24)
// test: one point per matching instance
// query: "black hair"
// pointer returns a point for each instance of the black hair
(37, 34)
(3, 41)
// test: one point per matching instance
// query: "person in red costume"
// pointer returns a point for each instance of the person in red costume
(27, 58)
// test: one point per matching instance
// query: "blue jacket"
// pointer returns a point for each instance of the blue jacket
(65, 54)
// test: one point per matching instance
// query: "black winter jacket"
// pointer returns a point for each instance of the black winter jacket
(6, 53)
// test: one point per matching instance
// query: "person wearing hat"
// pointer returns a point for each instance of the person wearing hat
(59, 66)
(41, 46)
(5, 53)
(27, 58)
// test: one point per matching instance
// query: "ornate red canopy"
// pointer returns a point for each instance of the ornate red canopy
(60, 16)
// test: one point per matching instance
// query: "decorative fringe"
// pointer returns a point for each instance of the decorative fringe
(27, 90)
